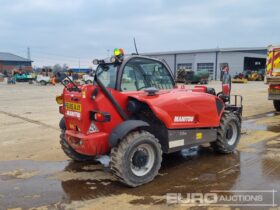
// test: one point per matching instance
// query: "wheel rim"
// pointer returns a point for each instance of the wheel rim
(142, 159)
(231, 133)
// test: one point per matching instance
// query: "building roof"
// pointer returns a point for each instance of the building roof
(81, 70)
(4, 56)
(241, 49)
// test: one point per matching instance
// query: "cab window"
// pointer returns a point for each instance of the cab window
(107, 74)
(141, 73)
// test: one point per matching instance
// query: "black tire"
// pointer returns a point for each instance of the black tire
(130, 149)
(228, 133)
(67, 149)
(42, 82)
(276, 104)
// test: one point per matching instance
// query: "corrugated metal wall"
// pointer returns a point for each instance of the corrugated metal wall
(235, 60)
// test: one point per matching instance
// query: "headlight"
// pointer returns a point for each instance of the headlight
(59, 99)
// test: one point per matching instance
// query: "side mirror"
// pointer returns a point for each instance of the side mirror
(95, 61)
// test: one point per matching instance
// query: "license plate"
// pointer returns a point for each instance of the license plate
(73, 107)
(274, 91)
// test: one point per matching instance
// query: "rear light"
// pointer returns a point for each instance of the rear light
(92, 128)
(277, 87)
(99, 116)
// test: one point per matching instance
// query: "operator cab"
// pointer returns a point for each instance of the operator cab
(134, 73)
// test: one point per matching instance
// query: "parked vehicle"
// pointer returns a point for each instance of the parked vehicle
(67, 80)
(87, 79)
(2, 76)
(44, 77)
(23, 76)
(192, 77)
(43, 80)
(138, 119)
(11, 80)
(239, 78)
(255, 75)
(273, 75)
(60, 76)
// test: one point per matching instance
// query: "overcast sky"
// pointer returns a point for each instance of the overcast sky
(62, 31)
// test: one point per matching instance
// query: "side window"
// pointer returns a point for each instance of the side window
(107, 74)
(141, 73)
(132, 79)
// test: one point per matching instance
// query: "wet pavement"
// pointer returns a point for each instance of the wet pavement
(28, 184)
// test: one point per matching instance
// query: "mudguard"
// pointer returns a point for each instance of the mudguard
(123, 129)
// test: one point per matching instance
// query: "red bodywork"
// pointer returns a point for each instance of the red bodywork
(166, 105)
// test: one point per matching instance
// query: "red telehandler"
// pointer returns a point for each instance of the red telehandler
(134, 112)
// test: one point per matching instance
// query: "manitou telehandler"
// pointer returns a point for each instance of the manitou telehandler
(134, 112)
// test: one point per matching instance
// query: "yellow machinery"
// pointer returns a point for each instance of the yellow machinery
(239, 80)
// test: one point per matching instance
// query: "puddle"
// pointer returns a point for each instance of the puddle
(191, 170)
(33, 191)
(252, 125)
(194, 170)
(249, 123)
(262, 115)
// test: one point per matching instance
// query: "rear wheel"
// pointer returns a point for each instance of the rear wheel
(65, 82)
(276, 104)
(228, 134)
(67, 149)
(137, 158)
(42, 82)
(70, 152)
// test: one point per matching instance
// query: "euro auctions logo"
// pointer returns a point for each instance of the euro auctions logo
(236, 198)
(192, 198)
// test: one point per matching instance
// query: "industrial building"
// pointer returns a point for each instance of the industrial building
(213, 60)
(10, 62)
(80, 70)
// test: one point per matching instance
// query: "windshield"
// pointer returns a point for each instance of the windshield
(107, 74)
(141, 73)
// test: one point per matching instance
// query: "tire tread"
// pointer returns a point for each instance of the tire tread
(118, 152)
(219, 145)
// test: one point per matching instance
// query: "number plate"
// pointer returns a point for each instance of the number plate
(73, 107)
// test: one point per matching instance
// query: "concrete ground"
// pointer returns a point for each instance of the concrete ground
(35, 173)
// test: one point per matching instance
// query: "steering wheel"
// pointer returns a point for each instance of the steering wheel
(219, 94)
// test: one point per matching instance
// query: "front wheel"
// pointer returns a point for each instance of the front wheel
(137, 158)
(276, 104)
(228, 134)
